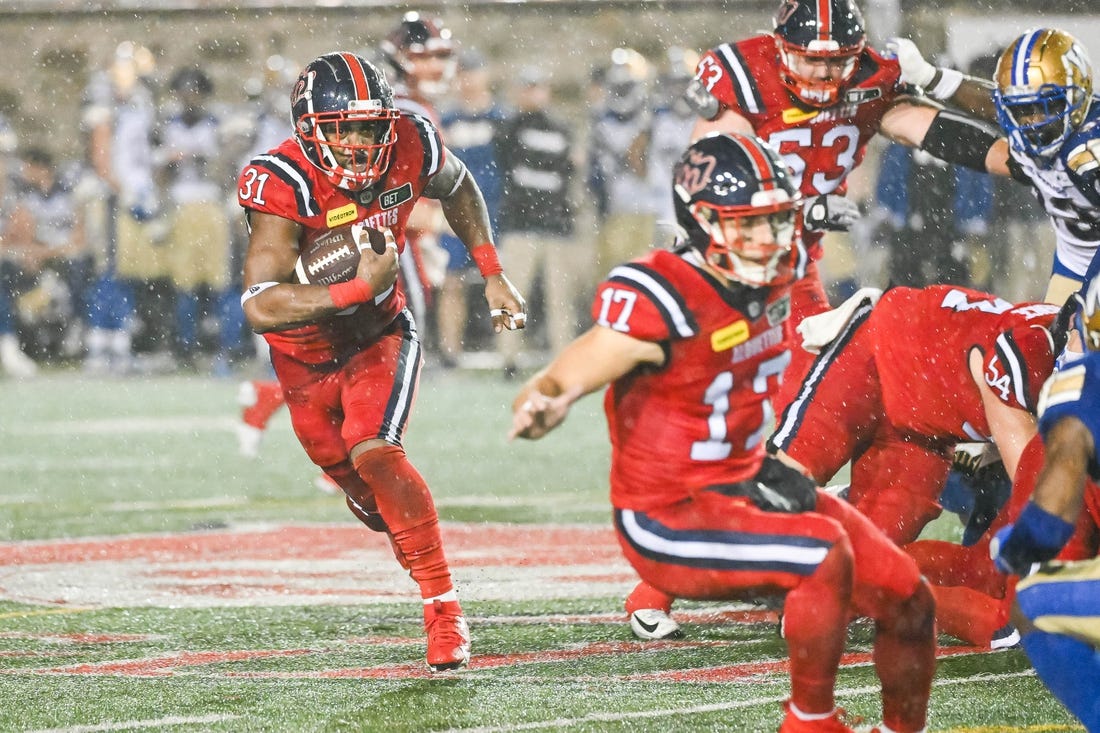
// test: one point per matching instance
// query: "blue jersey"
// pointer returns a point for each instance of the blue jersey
(1074, 392)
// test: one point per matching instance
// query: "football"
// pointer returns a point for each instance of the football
(333, 256)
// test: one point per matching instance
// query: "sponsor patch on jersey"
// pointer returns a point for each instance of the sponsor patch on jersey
(342, 215)
(794, 115)
(779, 311)
(859, 96)
(757, 345)
(727, 337)
(395, 196)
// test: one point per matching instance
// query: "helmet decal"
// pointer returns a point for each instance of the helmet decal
(736, 202)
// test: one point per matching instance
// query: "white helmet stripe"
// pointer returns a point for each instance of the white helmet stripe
(1021, 61)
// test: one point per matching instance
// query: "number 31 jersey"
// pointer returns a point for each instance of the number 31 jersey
(700, 419)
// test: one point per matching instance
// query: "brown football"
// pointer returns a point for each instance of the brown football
(333, 256)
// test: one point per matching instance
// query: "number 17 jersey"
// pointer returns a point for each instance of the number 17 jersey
(700, 419)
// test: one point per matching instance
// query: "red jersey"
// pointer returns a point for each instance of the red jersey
(284, 183)
(922, 339)
(821, 146)
(699, 420)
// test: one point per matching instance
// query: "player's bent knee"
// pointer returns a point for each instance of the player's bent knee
(913, 617)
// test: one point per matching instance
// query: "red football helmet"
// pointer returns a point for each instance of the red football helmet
(734, 198)
(344, 119)
(819, 43)
(422, 54)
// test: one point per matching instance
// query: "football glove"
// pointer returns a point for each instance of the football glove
(830, 213)
(776, 488)
(914, 69)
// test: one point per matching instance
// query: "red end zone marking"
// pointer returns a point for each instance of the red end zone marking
(307, 564)
(165, 666)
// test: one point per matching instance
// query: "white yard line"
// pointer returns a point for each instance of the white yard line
(712, 708)
(139, 724)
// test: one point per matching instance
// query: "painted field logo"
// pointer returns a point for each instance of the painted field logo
(335, 564)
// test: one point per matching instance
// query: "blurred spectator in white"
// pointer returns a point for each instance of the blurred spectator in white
(469, 127)
(198, 239)
(537, 237)
(420, 54)
(46, 267)
(673, 120)
(619, 148)
(119, 119)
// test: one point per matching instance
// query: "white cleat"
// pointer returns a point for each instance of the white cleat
(248, 440)
(14, 361)
(653, 624)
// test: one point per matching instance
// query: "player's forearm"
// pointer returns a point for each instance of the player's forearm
(467, 214)
(288, 305)
(1060, 488)
(975, 96)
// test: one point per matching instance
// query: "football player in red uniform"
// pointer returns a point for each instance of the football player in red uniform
(896, 385)
(347, 355)
(688, 341)
(817, 93)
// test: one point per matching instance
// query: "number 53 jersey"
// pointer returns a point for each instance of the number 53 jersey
(700, 419)
(821, 146)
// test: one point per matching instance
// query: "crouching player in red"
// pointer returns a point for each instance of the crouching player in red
(691, 342)
(1058, 607)
(347, 355)
(896, 385)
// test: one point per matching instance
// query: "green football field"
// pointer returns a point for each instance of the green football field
(151, 578)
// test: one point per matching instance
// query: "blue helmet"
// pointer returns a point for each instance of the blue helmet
(825, 31)
(1044, 89)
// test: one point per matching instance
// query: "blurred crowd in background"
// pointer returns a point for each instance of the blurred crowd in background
(125, 256)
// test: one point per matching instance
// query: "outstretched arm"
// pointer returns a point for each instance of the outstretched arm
(968, 93)
(593, 360)
(949, 136)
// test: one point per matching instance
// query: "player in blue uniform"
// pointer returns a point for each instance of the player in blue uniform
(1057, 609)
(1042, 95)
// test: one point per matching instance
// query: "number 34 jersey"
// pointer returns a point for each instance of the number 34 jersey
(700, 419)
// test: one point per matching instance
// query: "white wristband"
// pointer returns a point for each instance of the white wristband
(949, 82)
(255, 290)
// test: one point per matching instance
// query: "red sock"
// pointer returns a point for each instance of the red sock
(645, 595)
(815, 618)
(905, 660)
(406, 506)
(269, 398)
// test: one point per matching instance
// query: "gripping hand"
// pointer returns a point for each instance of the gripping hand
(914, 69)
(830, 213)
